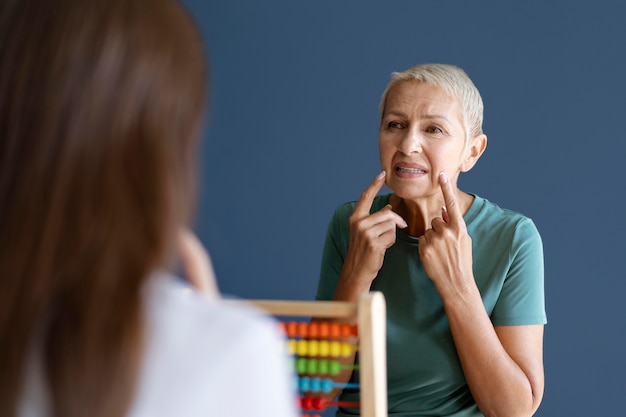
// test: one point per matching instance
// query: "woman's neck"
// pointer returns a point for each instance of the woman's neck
(419, 214)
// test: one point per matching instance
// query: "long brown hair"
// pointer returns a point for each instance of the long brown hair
(101, 104)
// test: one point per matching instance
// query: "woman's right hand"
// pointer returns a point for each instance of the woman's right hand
(370, 236)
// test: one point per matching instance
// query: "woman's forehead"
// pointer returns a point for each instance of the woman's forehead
(417, 94)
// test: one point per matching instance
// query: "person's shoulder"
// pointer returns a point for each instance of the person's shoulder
(486, 208)
(496, 218)
(173, 296)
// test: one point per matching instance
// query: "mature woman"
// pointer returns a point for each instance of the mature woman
(101, 103)
(463, 278)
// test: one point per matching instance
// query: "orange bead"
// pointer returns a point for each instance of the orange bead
(314, 330)
(303, 328)
(335, 331)
(291, 328)
(324, 329)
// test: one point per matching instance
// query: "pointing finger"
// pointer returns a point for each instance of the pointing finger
(364, 204)
(452, 209)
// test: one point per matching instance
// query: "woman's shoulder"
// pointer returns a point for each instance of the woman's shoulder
(171, 298)
(487, 215)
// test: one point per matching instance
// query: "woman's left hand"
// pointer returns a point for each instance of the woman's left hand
(446, 248)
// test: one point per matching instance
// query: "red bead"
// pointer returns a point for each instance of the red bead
(319, 403)
(306, 403)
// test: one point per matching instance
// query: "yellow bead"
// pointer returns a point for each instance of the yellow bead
(324, 348)
(291, 346)
(302, 348)
(314, 348)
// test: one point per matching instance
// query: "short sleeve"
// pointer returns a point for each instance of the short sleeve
(522, 299)
(333, 254)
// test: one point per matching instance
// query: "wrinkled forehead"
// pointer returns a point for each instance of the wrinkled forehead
(412, 95)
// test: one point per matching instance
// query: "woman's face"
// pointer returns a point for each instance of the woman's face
(421, 134)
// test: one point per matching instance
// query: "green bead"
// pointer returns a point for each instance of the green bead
(312, 366)
(323, 367)
(301, 365)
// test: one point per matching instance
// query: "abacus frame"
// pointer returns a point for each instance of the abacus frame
(370, 312)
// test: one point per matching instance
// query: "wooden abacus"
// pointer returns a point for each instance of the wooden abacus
(370, 315)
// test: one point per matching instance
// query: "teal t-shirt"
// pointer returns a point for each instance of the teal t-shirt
(423, 369)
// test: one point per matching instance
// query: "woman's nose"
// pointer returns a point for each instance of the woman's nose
(411, 142)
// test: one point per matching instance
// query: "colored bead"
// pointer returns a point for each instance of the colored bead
(335, 331)
(314, 347)
(301, 365)
(316, 385)
(318, 403)
(291, 346)
(324, 348)
(346, 349)
(334, 368)
(327, 385)
(303, 329)
(314, 330)
(312, 366)
(335, 348)
(291, 328)
(304, 384)
(323, 366)
(302, 347)
(324, 330)
(306, 403)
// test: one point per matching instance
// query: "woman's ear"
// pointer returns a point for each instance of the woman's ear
(476, 148)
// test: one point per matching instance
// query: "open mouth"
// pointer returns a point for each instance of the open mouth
(408, 170)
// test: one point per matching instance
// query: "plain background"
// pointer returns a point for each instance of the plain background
(292, 132)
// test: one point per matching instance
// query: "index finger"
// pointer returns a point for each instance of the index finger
(364, 204)
(449, 197)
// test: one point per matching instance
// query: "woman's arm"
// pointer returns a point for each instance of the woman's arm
(503, 365)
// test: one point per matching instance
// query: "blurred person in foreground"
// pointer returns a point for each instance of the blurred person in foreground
(101, 105)
(462, 277)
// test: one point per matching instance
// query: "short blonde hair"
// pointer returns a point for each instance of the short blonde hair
(455, 82)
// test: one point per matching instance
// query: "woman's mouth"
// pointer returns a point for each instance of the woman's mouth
(408, 170)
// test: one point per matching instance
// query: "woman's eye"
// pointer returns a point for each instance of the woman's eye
(394, 125)
(434, 129)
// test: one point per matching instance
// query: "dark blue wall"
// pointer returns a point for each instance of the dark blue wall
(292, 132)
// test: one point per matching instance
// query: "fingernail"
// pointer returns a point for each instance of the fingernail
(381, 175)
(443, 177)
